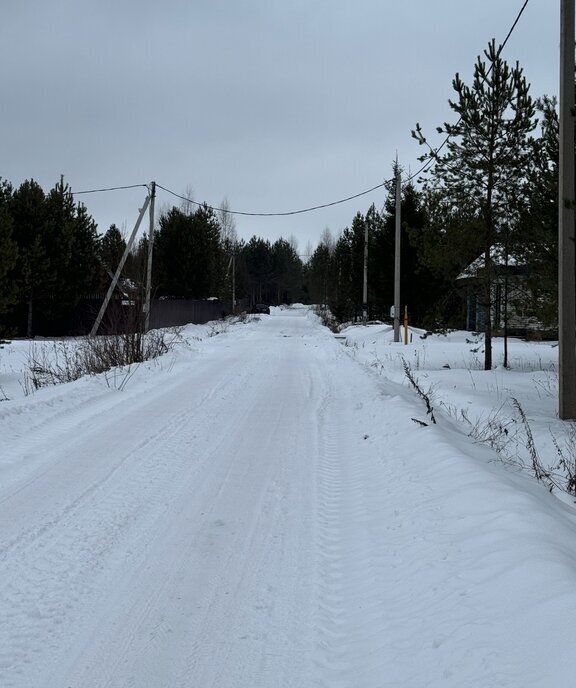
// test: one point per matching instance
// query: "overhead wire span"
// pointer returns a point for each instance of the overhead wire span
(111, 188)
(322, 205)
(441, 146)
(276, 214)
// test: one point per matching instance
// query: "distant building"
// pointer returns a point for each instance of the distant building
(511, 295)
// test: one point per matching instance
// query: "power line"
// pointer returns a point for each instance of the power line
(441, 146)
(236, 212)
(112, 188)
(323, 205)
(282, 214)
(513, 26)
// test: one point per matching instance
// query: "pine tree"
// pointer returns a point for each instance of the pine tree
(319, 274)
(111, 248)
(487, 152)
(418, 287)
(446, 244)
(534, 239)
(286, 272)
(173, 265)
(210, 272)
(349, 270)
(84, 271)
(341, 298)
(190, 260)
(8, 252)
(58, 231)
(34, 274)
(257, 256)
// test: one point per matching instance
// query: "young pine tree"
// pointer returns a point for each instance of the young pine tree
(487, 153)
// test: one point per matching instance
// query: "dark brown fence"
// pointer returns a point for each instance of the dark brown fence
(122, 315)
(171, 312)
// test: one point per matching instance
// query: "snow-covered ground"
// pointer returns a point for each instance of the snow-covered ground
(488, 406)
(259, 509)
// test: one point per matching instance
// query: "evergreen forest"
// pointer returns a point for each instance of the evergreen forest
(493, 183)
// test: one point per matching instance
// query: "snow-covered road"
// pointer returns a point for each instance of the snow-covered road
(260, 511)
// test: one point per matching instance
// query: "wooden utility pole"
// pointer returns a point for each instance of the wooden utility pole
(232, 268)
(365, 285)
(566, 202)
(397, 256)
(149, 261)
(234, 280)
(116, 277)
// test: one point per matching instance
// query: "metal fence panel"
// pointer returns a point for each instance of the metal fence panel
(172, 312)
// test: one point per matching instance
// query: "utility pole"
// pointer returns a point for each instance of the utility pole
(365, 286)
(149, 261)
(234, 280)
(232, 267)
(566, 202)
(116, 277)
(397, 255)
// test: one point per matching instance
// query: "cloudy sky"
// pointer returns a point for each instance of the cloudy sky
(274, 105)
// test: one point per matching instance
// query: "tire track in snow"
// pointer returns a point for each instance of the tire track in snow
(352, 627)
(61, 443)
(237, 555)
(236, 627)
(389, 559)
(120, 578)
(53, 566)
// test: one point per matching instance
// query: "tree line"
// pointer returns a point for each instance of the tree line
(489, 195)
(52, 258)
(488, 199)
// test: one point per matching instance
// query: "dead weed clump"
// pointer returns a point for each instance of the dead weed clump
(68, 360)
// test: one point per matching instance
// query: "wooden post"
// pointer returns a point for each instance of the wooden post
(397, 256)
(365, 284)
(149, 261)
(566, 201)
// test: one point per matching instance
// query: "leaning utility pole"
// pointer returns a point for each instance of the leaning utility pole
(566, 202)
(116, 277)
(397, 256)
(149, 261)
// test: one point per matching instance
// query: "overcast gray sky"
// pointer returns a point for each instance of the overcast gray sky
(275, 105)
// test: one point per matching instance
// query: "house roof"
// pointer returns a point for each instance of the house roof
(498, 257)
